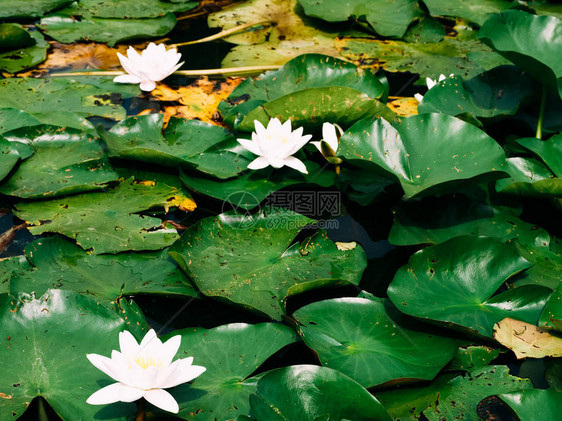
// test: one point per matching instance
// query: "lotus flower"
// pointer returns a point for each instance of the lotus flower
(329, 143)
(152, 65)
(143, 371)
(431, 83)
(275, 145)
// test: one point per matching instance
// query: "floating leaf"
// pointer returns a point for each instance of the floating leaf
(359, 337)
(16, 9)
(529, 177)
(64, 161)
(499, 91)
(533, 404)
(256, 264)
(57, 263)
(469, 358)
(284, 33)
(46, 339)
(230, 353)
(298, 76)
(108, 222)
(72, 24)
(310, 392)
(526, 340)
(531, 42)
(552, 310)
(423, 152)
(547, 264)
(466, 58)
(549, 151)
(476, 11)
(132, 9)
(454, 282)
(389, 18)
(451, 397)
(9, 156)
(208, 148)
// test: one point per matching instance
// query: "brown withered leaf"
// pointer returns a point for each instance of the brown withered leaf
(404, 107)
(196, 101)
(526, 340)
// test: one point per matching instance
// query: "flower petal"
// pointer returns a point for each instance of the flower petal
(295, 163)
(127, 79)
(317, 145)
(147, 85)
(116, 392)
(169, 349)
(258, 163)
(162, 399)
(418, 97)
(127, 342)
(106, 365)
(182, 371)
(250, 145)
(330, 136)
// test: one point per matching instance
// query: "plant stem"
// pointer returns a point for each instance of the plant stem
(41, 409)
(141, 409)
(541, 113)
(192, 73)
(223, 34)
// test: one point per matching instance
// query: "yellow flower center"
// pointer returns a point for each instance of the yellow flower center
(146, 362)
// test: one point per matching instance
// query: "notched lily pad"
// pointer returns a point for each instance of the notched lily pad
(20, 48)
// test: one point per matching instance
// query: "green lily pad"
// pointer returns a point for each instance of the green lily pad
(14, 36)
(205, 147)
(132, 9)
(389, 18)
(256, 265)
(438, 219)
(57, 263)
(309, 392)
(248, 190)
(552, 309)
(8, 266)
(533, 404)
(359, 337)
(454, 283)
(476, 11)
(64, 161)
(17, 9)
(9, 157)
(231, 353)
(465, 58)
(499, 91)
(299, 75)
(451, 397)
(108, 222)
(549, 151)
(72, 24)
(423, 152)
(470, 358)
(531, 42)
(425, 30)
(290, 35)
(46, 339)
(529, 177)
(60, 101)
(547, 264)
(27, 51)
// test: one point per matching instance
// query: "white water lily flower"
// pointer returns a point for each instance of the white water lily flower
(431, 83)
(143, 371)
(275, 145)
(152, 65)
(329, 143)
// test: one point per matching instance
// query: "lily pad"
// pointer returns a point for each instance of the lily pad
(549, 151)
(17, 9)
(552, 310)
(389, 18)
(22, 52)
(14, 36)
(297, 76)
(470, 358)
(46, 339)
(248, 190)
(531, 42)
(547, 264)
(72, 24)
(9, 156)
(60, 102)
(309, 392)
(532, 404)
(132, 9)
(438, 219)
(454, 283)
(496, 92)
(256, 265)
(57, 263)
(359, 337)
(205, 147)
(286, 33)
(466, 58)
(108, 222)
(529, 177)
(423, 152)
(527, 340)
(451, 397)
(231, 353)
(476, 11)
(64, 161)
